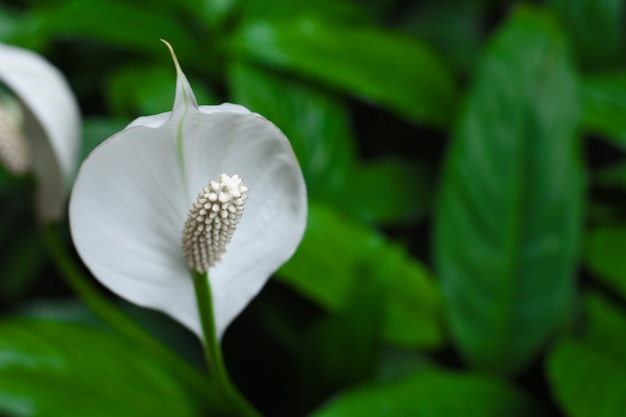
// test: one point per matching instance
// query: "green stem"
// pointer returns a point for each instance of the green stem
(212, 351)
(195, 379)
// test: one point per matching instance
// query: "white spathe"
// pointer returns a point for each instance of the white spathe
(133, 193)
(52, 124)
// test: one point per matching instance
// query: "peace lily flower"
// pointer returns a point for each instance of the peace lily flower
(163, 200)
(41, 134)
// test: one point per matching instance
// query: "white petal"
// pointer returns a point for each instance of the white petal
(132, 195)
(157, 120)
(275, 213)
(52, 123)
(127, 209)
(225, 108)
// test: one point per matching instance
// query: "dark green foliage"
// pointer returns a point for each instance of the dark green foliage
(356, 60)
(432, 394)
(53, 369)
(509, 215)
(454, 263)
(585, 382)
(604, 104)
(596, 27)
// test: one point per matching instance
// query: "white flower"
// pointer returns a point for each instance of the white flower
(132, 196)
(51, 125)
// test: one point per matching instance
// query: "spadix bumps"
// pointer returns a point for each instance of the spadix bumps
(14, 150)
(212, 220)
(137, 193)
(43, 136)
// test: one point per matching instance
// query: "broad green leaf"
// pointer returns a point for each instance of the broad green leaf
(337, 253)
(315, 122)
(174, 7)
(596, 27)
(585, 382)
(509, 214)
(604, 253)
(64, 310)
(394, 363)
(55, 369)
(318, 127)
(216, 12)
(432, 394)
(73, 310)
(393, 70)
(412, 316)
(339, 11)
(127, 26)
(603, 99)
(388, 180)
(605, 326)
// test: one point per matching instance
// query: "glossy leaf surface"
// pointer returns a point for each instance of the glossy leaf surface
(509, 213)
(432, 394)
(54, 369)
(356, 60)
(329, 271)
(604, 105)
(596, 28)
(585, 382)
(605, 256)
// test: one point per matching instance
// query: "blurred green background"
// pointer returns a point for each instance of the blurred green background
(465, 164)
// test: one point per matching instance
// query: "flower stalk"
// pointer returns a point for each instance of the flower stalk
(212, 351)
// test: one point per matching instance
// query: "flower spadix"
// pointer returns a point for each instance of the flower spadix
(42, 135)
(212, 220)
(166, 195)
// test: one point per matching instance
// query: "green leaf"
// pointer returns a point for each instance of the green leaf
(603, 98)
(54, 369)
(315, 122)
(604, 254)
(216, 12)
(432, 394)
(393, 70)
(337, 253)
(127, 26)
(604, 321)
(318, 127)
(510, 208)
(339, 11)
(596, 27)
(586, 383)
(394, 363)
(389, 181)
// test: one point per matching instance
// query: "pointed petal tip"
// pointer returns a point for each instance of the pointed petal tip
(172, 53)
(184, 94)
